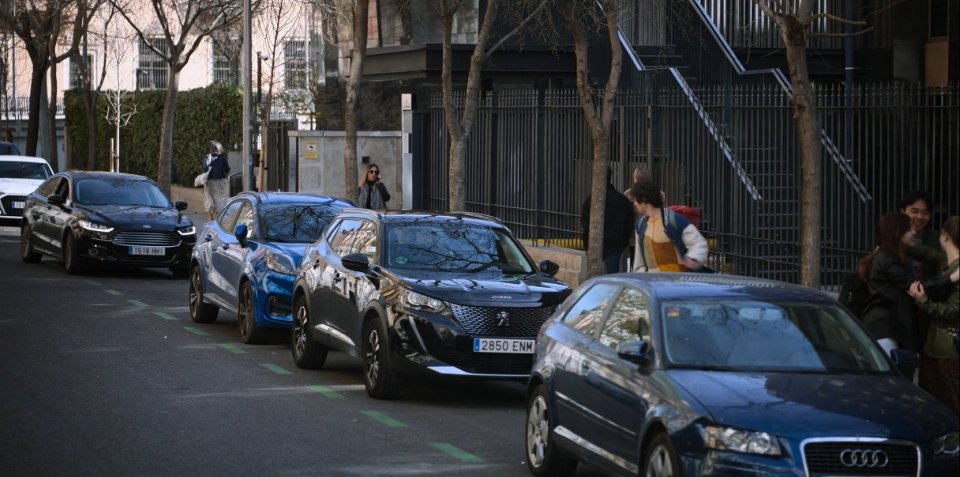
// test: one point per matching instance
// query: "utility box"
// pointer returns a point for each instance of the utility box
(317, 162)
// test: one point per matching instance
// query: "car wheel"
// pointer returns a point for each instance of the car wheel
(375, 352)
(544, 458)
(250, 333)
(307, 353)
(71, 255)
(200, 312)
(661, 458)
(27, 253)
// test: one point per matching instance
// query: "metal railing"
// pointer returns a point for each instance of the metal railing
(529, 163)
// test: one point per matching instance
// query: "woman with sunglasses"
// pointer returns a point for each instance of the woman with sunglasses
(373, 194)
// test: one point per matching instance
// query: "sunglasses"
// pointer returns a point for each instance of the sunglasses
(373, 171)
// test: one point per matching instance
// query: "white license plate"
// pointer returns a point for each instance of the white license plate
(148, 251)
(18, 204)
(502, 345)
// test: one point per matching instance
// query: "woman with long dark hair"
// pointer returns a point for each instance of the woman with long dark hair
(889, 312)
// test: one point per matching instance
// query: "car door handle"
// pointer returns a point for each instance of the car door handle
(209, 238)
(584, 367)
(316, 264)
(337, 277)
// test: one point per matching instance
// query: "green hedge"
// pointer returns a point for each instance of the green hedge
(213, 112)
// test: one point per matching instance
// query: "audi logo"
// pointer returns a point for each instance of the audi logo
(870, 458)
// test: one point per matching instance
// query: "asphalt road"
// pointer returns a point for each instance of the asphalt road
(105, 374)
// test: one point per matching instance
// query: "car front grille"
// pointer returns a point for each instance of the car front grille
(147, 239)
(489, 321)
(840, 458)
(7, 205)
(490, 363)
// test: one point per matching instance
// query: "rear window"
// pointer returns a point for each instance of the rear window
(24, 170)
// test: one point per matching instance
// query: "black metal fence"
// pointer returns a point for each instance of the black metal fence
(529, 163)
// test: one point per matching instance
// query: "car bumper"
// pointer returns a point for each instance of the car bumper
(275, 304)
(437, 346)
(105, 251)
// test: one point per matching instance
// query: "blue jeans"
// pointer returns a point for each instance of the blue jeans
(611, 263)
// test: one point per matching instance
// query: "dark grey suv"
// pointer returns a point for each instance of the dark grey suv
(421, 294)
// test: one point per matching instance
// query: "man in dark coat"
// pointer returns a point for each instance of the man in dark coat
(618, 221)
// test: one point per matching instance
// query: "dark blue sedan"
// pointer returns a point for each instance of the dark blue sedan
(246, 259)
(710, 375)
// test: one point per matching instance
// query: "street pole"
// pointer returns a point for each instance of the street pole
(247, 151)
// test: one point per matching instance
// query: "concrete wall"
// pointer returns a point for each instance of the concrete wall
(573, 263)
(317, 161)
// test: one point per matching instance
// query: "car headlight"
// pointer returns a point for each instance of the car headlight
(947, 445)
(191, 230)
(412, 299)
(740, 440)
(94, 227)
(280, 263)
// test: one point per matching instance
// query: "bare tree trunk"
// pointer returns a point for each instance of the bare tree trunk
(598, 119)
(350, 119)
(808, 129)
(33, 120)
(52, 115)
(165, 162)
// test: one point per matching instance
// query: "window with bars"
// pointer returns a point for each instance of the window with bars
(225, 61)
(74, 70)
(295, 64)
(152, 69)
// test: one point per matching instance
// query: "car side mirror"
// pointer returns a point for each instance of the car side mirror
(548, 267)
(905, 361)
(637, 352)
(55, 199)
(180, 205)
(241, 234)
(357, 262)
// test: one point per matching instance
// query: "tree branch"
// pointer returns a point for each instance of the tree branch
(517, 29)
(837, 19)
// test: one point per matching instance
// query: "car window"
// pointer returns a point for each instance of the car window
(767, 336)
(296, 223)
(24, 170)
(119, 191)
(229, 216)
(587, 311)
(366, 241)
(246, 217)
(342, 241)
(428, 247)
(9, 149)
(50, 187)
(629, 319)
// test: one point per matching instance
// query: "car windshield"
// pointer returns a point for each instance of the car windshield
(117, 191)
(297, 223)
(452, 246)
(23, 170)
(746, 335)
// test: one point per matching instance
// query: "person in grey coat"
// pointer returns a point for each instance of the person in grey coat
(373, 194)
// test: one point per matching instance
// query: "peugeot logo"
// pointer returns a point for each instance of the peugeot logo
(503, 319)
(872, 458)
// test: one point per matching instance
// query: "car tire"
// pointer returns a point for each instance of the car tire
(307, 353)
(250, 333)
(660, 459)
(71, 255)
(200, 312)
(378, 378)
(27, 253)
(544, 458)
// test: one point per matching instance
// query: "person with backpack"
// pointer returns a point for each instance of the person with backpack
(666, 240)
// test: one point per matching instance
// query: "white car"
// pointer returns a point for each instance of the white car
(19, 176)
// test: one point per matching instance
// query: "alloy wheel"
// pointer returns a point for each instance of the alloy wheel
(538, 429)
(300, 331)
(372, 356)
(660, 463)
